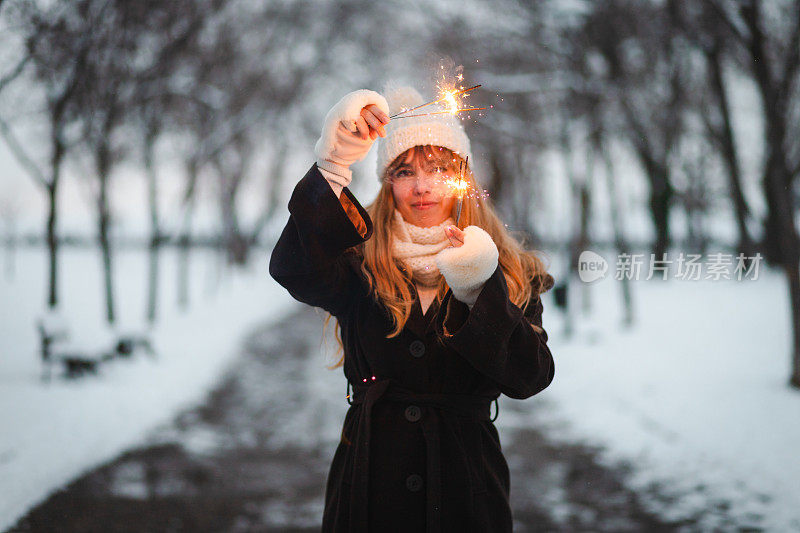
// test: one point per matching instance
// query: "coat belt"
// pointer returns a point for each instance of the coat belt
(365, 397)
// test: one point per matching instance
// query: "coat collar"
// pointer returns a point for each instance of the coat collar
(418, 323)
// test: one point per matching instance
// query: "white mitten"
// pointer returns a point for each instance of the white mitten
(467, 267)
(340, 146)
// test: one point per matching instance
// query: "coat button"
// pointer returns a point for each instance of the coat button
(417, 348)
(413, 413)
(414, 483)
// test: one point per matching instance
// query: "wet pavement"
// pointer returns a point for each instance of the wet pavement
(255, 456)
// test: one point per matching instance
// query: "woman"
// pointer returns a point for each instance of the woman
(435, 321)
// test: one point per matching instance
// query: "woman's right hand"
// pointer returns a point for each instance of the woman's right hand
(371, 122)
(349, 130)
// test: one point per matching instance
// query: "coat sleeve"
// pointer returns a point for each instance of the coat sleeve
(497, 339)
(310, 258)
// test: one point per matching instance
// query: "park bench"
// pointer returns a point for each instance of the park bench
(81, 358)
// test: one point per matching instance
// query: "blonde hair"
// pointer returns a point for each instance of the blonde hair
(390, 283)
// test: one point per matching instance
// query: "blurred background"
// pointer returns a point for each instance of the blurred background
(153, 376)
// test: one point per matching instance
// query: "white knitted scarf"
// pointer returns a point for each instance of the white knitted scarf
(416, 248)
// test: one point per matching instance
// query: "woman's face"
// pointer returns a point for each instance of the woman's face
(420, 192)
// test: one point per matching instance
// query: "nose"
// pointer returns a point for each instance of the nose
(422, 184)
(426, 181)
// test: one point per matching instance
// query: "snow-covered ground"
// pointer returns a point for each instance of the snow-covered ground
(52, 432)
(694, 397)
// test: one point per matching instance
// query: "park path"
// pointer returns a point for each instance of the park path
(254, 457)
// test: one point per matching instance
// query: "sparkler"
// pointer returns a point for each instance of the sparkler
(448, 96)
(441, 112)
(460, 187)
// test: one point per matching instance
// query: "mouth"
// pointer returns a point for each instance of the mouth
(423, 205)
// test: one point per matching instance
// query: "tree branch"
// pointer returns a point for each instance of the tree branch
(735, 28)
(11, 76)
(22, 157)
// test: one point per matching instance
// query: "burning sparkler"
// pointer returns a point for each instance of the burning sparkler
(449, 97)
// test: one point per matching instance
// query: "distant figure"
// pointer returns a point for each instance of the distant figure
(560, 295)
(436, 320)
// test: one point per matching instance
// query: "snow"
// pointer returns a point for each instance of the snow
(694, 397)
(53, 432)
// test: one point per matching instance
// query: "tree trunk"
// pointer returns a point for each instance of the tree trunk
(784, 245)
(728, 149)
(654, 161)
(52, 245)
(273, 197)
(108, 281)
(620, 243)
(496, 173)
(184, 244)
(694, 200)
(52, 215)
(793, 276)
(183, 270)
(574, 207)
(104, 222)
(155, 233)
(521, 184)
(660, 200)
(154, 253)
(236, 244)
(781, 238)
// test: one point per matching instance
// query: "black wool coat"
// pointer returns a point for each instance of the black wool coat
(418, 451)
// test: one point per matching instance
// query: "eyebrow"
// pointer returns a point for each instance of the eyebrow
(430, 164)
(425, 162)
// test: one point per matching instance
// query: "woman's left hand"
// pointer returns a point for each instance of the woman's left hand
(455, 235)
(467, 264)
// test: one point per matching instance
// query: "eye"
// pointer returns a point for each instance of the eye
(403, 173)
(436, 170)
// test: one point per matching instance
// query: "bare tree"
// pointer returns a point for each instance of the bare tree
(103, 97)
(771, 46)
(176, 27)
(58, 43)
(720, 131)
(601, 147)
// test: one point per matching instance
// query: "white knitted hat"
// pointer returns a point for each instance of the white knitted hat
(443, 130)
